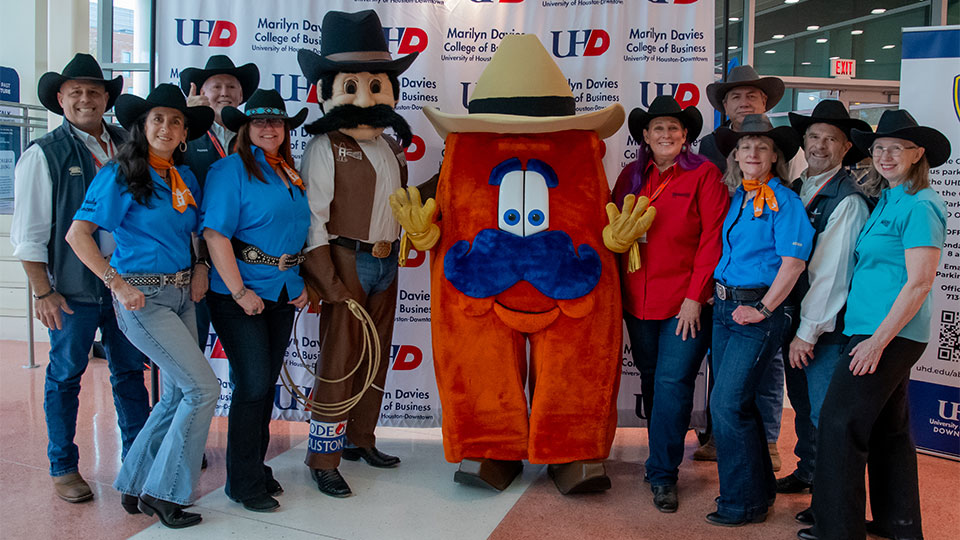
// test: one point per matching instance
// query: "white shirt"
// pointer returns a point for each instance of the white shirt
(33, 195)
(223, 134)
(831, 264)
(317, 170)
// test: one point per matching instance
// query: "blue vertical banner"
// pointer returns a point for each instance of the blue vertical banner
(929, 84)
(9, 138)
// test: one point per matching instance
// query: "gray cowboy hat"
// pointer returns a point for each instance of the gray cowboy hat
(758, 125)
(745, 76)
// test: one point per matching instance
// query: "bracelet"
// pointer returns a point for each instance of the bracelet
(44, 295)
(108, 275)
(239, 294)
(763, 310)
(204, 261)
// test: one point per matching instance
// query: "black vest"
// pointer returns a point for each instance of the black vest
(71, 170)
(708, 149)
(819, 209)
(201, 153)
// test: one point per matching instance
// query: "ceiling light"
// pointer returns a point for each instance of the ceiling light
(878, 11)
(804, 63)
(856, 32)
(732, 48)
(834, 57)
(811, 98)
(770, 51)
(790, 1)
(885, 47)
(869, 60)
(778, 36)
(813, 27)
(734, 19)
(822, 40)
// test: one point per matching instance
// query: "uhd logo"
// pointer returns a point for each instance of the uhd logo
(196, 32)
(949, 410)
(686, 94)
(416, 149)
(592, 42)
(408, 40)
(407, 357)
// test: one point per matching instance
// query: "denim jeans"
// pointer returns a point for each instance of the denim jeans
(770, 397)
(376, 275)
(164, 461)
(203, 323)
(255, 347)
(806, 389)
(673, 365)
(69, 354)
(741, 353)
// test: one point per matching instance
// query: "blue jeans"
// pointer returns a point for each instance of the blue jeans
(673, 364)
(807, 388)
(741, 353)
(69, 350)
(164, 461)
(203, 323)
(376, 275)
(770, 397)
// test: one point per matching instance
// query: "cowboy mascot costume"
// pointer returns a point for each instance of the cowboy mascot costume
(518, 260)
(350, 169)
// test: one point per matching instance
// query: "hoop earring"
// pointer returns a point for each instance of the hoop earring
(183, 146)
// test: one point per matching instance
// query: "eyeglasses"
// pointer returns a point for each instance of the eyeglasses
(895, 150)
(265, 122)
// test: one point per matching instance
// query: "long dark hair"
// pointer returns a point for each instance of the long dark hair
(133, 158)
(244, 148)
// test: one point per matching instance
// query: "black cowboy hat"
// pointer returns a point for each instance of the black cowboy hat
(758, 125)
(131, 108)
(220, 64)
(831, 111)
(352, 42)
(901, 125)
(263, 103)
(83, 67)
(690, 117)
(745, 76)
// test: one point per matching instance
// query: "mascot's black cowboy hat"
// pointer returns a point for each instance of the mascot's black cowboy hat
(352, 42)
(831, 111)
(901, 125)
(745, 76)
(758, 125)
(219, 64)
(263, 103)
(131, 108)
(690, 117)
(83, 67)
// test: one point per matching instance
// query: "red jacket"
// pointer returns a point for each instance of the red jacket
(683, 245)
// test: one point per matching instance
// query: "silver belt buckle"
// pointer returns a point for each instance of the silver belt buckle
(181, 278)
(286, 261)
(721, 292)
(381, 249)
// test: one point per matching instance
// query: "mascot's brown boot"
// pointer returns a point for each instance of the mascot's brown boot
(579, 477)
(488, 473)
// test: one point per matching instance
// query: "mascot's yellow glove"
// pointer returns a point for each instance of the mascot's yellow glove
(416, 218)
(627, 227)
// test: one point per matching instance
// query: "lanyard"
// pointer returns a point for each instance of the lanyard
(818, 192)
(110, 152)
(216, 144)
(663, 185)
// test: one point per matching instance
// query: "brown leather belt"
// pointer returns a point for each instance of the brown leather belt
(380, 250)
(251, 254)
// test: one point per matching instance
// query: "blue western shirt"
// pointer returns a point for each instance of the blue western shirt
(899, 222)
(151, 239)
(753, 245)
(267, 215)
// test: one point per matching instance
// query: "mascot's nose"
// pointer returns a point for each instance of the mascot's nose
(525, 297)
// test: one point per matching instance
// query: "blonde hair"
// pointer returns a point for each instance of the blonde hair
(734, 176)
(918, 177)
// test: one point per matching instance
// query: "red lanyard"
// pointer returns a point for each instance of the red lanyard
(662, 185)
(818, 191)
(216, 144)
(110, 152)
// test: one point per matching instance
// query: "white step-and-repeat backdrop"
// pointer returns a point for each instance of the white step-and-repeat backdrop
(612, 51)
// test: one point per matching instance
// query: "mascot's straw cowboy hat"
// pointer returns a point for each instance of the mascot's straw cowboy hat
(219, 64)
(83, 67)
(353, 43)
(522, 90)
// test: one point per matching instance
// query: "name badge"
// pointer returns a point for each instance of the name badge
(75, 171)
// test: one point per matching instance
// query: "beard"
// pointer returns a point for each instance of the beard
(351, 116)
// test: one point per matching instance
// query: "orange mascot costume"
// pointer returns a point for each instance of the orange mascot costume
(519, 257)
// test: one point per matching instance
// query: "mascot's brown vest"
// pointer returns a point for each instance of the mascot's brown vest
(354, 183)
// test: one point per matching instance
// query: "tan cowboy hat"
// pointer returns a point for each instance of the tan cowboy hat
(522, 90)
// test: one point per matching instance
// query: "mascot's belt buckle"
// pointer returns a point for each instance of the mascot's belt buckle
(381, 250)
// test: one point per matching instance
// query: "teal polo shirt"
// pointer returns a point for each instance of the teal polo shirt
(899, 222)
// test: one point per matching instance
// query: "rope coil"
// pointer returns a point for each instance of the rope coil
(370, 350)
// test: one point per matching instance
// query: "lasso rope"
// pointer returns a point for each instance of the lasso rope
(371, 350)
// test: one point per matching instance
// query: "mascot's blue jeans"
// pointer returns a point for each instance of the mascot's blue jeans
(741, 353)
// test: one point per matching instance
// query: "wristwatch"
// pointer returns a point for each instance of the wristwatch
(202, 260)
(763, 310)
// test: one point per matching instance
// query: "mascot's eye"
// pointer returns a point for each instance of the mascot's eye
(535, 217)
(375, 86)
(350, 87)
(511, 217)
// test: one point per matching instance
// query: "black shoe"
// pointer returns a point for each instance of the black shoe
(665, 498)
(807, 534)
(805, 517)
(372, 456)
(129, 503)
(714, 518)
(330, 482)
(274, 488)
(792, 484)
(877, 529)
(261, 503)
(170, 514)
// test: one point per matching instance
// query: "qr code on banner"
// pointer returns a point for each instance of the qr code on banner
(949, 349)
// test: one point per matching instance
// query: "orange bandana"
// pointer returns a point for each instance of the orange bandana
(764, 194)
(181, 193)
(275, 160)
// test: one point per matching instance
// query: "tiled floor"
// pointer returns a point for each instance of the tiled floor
(417, 500)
